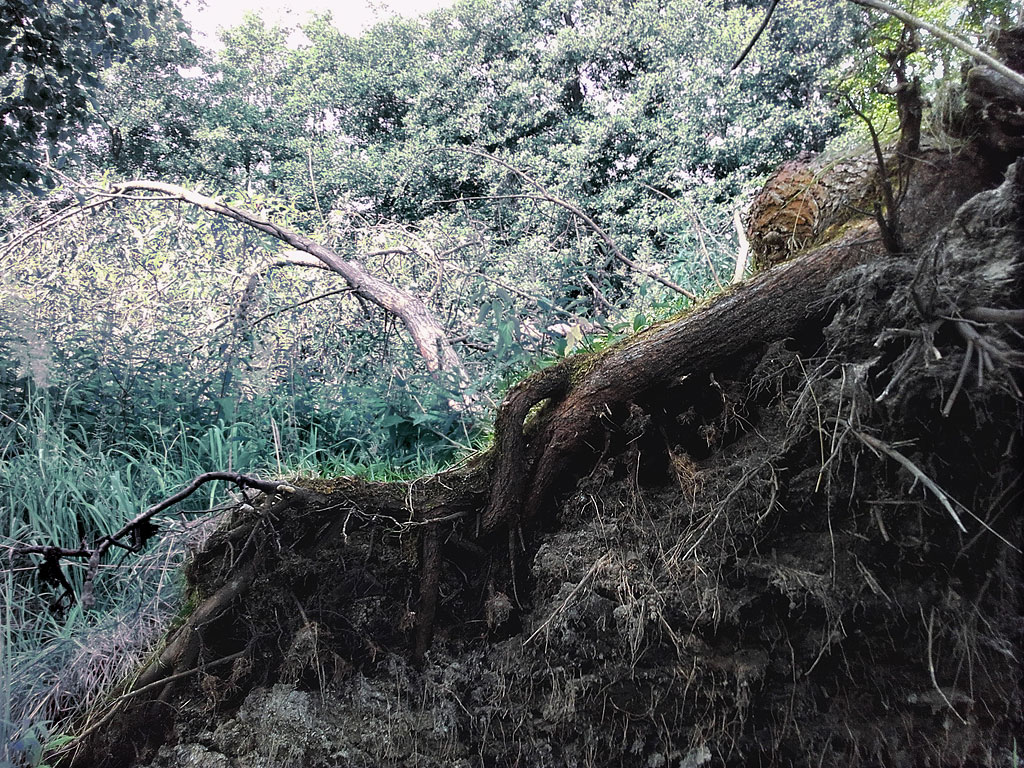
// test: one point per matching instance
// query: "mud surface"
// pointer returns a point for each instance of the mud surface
(811, 557)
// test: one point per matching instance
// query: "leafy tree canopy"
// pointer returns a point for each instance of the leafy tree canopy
(51, 56)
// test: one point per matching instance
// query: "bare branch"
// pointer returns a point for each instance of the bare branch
(945, 36)
(141, 521)
(576, 211)
(743, 254)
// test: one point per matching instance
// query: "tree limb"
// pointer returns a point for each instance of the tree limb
(945, 36)
(427, 333)
(756, 37)
(743, 253)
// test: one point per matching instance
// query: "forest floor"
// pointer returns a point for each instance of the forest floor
(804, 550)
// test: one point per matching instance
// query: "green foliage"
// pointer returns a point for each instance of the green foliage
(587, 98)
(144, 117)
(51, 54)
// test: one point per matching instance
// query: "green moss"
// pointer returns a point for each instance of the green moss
(188, 607)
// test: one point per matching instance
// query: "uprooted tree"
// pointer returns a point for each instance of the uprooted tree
(781, 524)
(780, 527)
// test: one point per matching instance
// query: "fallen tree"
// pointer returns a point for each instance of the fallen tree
(426, 331)
(704, 543)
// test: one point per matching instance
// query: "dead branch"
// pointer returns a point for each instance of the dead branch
(140, 528)
(742, 255)
(427, 333)
(576, 211)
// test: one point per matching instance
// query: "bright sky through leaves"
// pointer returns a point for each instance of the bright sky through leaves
(350, 16)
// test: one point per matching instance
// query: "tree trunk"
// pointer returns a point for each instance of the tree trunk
(581, 391)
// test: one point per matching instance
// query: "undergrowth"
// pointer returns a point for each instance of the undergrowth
(61, 485)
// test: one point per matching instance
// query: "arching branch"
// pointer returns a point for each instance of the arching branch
(139, 529)
(756, 37)
(426, 331)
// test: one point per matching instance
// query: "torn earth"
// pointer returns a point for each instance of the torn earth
(803, 546)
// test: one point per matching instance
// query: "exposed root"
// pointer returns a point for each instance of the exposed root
(879, 447)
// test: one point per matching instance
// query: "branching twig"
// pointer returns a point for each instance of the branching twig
(576, 211)
(889, 223)
(138, 526)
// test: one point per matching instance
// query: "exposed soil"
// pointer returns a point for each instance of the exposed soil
(806, 552)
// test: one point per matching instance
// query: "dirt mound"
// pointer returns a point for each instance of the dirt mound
(805, 551)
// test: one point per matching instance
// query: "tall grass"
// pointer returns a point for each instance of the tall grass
(59, 485)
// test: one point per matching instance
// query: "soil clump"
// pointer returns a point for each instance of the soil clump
(802, 549)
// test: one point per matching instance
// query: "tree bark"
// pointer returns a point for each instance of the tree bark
(429, 337)
(530, 459)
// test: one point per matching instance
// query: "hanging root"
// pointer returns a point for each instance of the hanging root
(987, 351)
